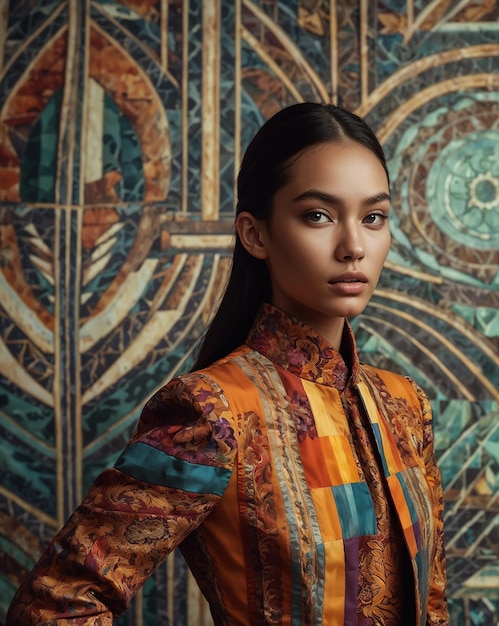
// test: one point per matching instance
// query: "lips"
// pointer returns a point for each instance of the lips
(349, 277)
(349, 284)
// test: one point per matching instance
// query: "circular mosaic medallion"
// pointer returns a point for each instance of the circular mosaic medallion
(463, 189)
(445, 179)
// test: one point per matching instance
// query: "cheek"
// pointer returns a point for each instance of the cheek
(291, 259)
(381, 245)
(388, 243)
(300, 256)
(383, 253)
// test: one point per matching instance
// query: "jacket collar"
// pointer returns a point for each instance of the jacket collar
(294, 346)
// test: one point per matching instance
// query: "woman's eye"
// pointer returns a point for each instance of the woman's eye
(375, 219)
(317, 217)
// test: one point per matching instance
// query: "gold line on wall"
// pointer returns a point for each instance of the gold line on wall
(482, 537)
(164, 34)
(91, 169)
(132, 37)
(127, 422)
(290, 47)
(67, 408)
(135, 353)
(67, 107)
(26, 506)
(333, 47)
(78, 215)
(426, 307)
(210, 110)
(472, 81)
(92, 133)
(408, 271)
(284, 78)
(14, 372)
(410, 13)
(149, 336)
(77, 404)
(4, 19)
(409, 72)
(92, 123)
(364, 52)
(422, 16)
(204, 241)
(185, 106)
(237, 93)
(396, 328)
(58, 374)
(27, 42)
(450, 347)
(26, 319)
(138, 612)
(426, 13)
(26, 434)
(170, 587)
(470, 461)
(120, 304)
(64, 179)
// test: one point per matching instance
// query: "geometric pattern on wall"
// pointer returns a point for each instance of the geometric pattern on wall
(122, 125)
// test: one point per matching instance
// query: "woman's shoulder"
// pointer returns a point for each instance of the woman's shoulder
(191, 405)
(185, 425)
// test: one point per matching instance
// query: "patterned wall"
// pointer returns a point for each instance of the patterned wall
(122, 125)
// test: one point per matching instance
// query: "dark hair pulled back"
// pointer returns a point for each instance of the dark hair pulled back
(265, 168)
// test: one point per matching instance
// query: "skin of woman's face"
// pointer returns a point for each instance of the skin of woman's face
(328, 236)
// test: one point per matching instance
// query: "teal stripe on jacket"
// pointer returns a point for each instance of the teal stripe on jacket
(144, 462)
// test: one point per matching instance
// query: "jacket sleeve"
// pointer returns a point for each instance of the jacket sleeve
(169, 478)
(437, 611)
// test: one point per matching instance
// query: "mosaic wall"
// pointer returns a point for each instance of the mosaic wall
(121, 129)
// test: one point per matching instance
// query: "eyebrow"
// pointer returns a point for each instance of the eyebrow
(322, 196)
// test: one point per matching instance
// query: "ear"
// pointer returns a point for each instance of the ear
(252, 233)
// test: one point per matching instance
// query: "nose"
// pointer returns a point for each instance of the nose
(350, 245)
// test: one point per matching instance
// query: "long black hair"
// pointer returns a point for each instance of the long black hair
(265, 168)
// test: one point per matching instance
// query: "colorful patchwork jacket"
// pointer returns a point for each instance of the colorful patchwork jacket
(300, 485)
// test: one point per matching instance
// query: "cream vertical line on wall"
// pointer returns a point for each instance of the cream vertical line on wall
(169, 590)
(410, 14)
(333, 47)
(364, 52)
(210, 110)
(138, 612)
(59, 411)
(84, 156)
(164, 34)
(170, 587)
(59, 472)
(185, 106)
(67, 96)
(237, 92)
(4, 19)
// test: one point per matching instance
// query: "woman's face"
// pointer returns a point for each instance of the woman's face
(328, 236)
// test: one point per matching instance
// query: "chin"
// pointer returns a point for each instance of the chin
(351, 311)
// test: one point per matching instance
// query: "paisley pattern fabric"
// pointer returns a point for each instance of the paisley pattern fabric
(300, 485)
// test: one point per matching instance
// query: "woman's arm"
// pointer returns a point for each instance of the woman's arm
(165, 483)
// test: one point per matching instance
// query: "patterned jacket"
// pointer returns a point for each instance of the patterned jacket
(300, 485)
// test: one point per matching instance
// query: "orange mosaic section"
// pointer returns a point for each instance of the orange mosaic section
(13, 273)
(95, 223)
(134, 95)
(22, 108)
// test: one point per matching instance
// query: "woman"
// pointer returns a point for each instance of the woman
(300, 485)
